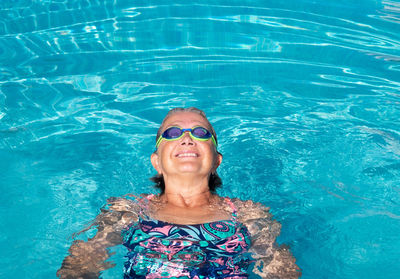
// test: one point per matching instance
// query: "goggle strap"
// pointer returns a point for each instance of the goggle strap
(213, 140)
(159, 141)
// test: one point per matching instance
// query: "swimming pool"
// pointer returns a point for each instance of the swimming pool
(304, 96)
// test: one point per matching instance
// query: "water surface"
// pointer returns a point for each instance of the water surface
(304, 96)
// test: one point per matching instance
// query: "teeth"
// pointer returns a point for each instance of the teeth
(187, 155)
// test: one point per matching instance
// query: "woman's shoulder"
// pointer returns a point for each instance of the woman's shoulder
(121, 211)
(257, 218)
(251, 210)
(126, 202)
(124, 209)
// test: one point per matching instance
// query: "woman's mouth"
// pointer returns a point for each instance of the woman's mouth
(187, 154)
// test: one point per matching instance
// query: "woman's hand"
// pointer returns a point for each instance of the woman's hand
(272, 260)
(87, 259)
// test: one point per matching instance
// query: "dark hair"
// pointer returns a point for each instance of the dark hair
(214, 181)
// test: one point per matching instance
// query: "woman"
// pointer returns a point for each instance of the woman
(187, 231)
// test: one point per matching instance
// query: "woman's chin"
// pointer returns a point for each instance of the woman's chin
(189, 169)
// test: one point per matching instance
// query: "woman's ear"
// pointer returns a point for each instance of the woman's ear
(217, 162)
(154, 161)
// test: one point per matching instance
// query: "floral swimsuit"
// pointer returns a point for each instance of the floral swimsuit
(160, 249)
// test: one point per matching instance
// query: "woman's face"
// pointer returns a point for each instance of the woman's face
(186, 155)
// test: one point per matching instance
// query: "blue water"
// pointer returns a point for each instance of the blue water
(304, 96)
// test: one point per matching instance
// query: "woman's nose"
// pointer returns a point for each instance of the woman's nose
(187, 139)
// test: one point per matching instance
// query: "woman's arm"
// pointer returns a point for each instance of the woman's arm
(87, 259)
(272, 260)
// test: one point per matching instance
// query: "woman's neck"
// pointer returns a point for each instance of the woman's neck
(187, 199)
(186, 192)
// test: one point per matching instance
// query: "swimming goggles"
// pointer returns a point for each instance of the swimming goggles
(196, 133)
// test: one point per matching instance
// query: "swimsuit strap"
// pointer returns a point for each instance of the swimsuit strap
(233, 207)
(144, 205)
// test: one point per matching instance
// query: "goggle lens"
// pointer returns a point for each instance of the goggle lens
(200, 132)
(172, 133)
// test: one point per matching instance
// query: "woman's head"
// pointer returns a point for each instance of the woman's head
(186, 150)
(186, 110)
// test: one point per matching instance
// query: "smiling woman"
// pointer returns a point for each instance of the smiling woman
(187, 231)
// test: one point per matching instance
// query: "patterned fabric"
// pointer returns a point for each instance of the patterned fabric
(159, 249)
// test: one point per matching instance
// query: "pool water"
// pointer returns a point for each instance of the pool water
(304, 96)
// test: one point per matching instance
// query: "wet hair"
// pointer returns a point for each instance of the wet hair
(214, 180)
